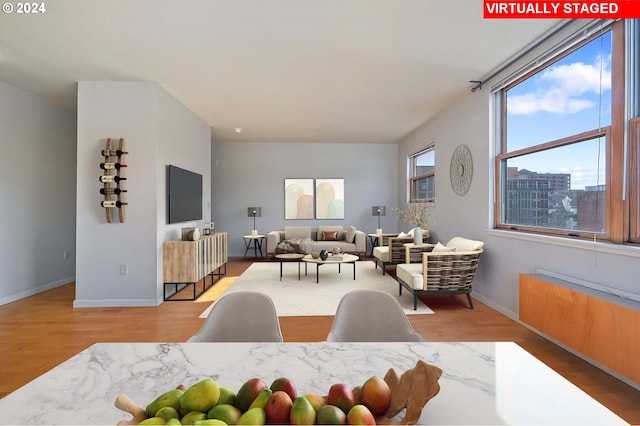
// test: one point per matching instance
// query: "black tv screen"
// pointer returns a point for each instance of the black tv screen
(184, 195)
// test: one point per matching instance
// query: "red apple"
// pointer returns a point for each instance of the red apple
(341, 396)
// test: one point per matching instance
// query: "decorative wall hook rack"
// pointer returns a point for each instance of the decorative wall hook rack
(477, 83)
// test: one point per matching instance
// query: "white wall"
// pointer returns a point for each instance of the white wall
(153, 125)
(252, 174)
(37, 192)
(506, 254)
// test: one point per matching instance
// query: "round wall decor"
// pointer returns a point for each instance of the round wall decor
(461, 170)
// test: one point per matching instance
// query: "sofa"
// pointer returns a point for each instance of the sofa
(301, 239)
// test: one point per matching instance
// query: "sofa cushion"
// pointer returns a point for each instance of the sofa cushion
(291, 232)
(464, 244)
(329, 236)
(442, 248)
(411, 273)
(381, 253)
(321, 229)
(351, 234)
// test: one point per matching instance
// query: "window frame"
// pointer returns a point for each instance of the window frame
(414, 177)
(617, 211)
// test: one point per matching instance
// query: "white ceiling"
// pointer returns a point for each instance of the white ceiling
(283, 70)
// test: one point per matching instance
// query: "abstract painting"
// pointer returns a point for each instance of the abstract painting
(298, 199)
(329, 198)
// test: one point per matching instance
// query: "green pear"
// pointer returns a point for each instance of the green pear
(225, 412)
(192, 417)
(200, 396)
(168, 413)
(153, 421)
(167, 399)
(261, 399)
(254, 416)
(174, 422)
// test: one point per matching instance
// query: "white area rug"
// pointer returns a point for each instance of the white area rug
(308, 298)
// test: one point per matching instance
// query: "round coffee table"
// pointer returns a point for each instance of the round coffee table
(290, 257)
(339, 260)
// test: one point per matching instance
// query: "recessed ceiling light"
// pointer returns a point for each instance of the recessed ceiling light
(238, 129)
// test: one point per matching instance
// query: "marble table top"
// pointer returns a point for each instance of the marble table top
(482, 382)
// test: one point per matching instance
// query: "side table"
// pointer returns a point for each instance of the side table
(413, 252)
(291, 257)
(254, 241)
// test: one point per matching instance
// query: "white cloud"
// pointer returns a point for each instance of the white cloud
(564, 89)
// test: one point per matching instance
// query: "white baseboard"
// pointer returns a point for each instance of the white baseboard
(515, 316)
(36, 290)
(114, 303)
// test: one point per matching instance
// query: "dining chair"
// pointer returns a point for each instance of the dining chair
(371, 316)
(241, 316)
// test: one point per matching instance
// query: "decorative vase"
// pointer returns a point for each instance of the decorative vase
(417, 235)
(196, 234)
(324, 254)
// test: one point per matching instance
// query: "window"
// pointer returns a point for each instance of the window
(422, 165)
(561, 164)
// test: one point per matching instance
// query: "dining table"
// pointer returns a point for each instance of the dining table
(482, 383)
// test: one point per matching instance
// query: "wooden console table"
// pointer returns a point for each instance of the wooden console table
(189, 262)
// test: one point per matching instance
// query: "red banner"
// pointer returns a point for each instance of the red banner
(563, 9)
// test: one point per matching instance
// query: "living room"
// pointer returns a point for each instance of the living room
(56, 232)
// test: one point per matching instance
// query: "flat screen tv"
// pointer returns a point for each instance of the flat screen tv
(184, 195)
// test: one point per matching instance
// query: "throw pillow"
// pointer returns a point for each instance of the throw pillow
(402, 235)
(330, 235)
(410, 233)
(442, 248)
(464, 244)
(351, 234)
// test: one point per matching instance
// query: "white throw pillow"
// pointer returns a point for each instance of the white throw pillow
(442, 248)
(464, 244)
(402, 235)
(410, 233)
(351, 234)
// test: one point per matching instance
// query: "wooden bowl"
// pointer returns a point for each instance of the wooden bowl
(410, 392)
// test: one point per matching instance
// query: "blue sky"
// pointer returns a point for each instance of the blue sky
(570, 97)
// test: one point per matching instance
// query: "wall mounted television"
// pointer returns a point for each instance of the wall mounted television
(184, 195)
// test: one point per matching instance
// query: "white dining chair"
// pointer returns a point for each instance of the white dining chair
(241, 316)
(371, 316)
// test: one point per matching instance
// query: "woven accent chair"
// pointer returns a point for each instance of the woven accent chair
(393, 252)
(440, 273)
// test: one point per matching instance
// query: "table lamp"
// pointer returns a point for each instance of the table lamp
(254, 212)
(378, 211)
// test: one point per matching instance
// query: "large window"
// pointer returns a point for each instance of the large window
(562, 163)
(422, 166)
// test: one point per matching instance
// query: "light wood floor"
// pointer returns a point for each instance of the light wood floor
(39, 332)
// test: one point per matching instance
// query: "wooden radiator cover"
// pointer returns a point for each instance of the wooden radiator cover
(603, 327)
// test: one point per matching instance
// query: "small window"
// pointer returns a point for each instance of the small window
(422, 165)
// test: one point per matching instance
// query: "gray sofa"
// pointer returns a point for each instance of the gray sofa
(302, 239)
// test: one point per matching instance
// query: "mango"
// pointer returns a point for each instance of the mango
(331, 415)
(167, 399)
(248, 392)
(210, 422)
(261, 399)
(285, 384)
(227, 396)
(167, 413)
(153, 421)
(302, 412)
(360, 415)
(200, 396)
(278, 408)
(341, 396)
(174, 422)
(225, 412)
(192, 417)
(254, 416)
(317, 401)
(375, 394)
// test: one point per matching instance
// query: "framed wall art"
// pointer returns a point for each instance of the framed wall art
(298, 199)
(329, 198)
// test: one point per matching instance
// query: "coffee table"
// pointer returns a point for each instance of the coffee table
(291, 257)
(339, 260)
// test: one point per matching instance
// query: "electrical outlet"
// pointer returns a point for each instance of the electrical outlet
(66, 255)
(124, 269)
